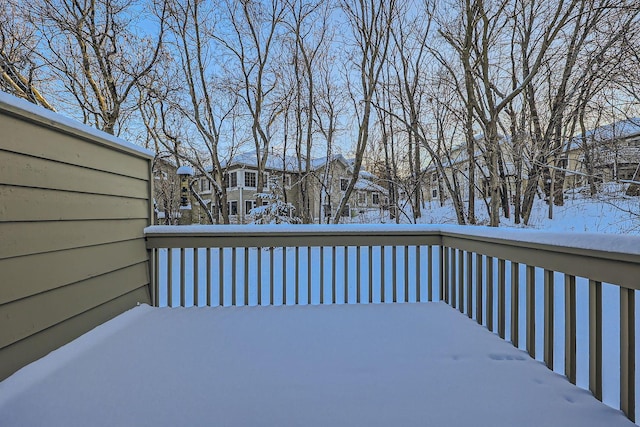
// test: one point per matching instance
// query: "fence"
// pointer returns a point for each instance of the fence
(73, 206)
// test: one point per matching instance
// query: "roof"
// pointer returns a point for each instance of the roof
(278, 162)
(367, 185)
(615, 130)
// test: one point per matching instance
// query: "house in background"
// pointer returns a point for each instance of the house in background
(328, 180)
(609, 153)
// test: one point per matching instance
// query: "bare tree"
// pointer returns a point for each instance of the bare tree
(411, 33)
(575, 86)
(250, 38)
(483, 24)
(18, 68)
(307, 24)
(94, 51)
(370, 23)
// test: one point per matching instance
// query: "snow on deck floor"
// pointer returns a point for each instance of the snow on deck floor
(333, 365)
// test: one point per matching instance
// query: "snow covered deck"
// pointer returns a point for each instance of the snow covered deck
(330, 365)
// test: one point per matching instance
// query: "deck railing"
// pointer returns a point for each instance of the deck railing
(488, 274)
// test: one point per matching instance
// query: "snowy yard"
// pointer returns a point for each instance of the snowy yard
(379, 364)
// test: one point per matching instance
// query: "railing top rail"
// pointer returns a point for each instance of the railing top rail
(610, 246)
(607, 245)
(290, 235)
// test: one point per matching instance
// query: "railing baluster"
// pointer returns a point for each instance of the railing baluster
(233, 276)
(284, 276)
(548, 318)
(406, 273)
(308, 275)
(334, 278)
(156, 278)
(382, 275)
(196, 285)
(444, 265)
(469, 284)
(358, 266)
(271, 284)
(346, 275)
(489, 293)
(221, 276)
(627, 353)
(259, 262)
(595, 338)
(246, 276)
(515, 303)
(452, 259)
(531, 311)
(502, 304)
(321, 275)
(169, 277)
(370, 252)
(208, 254)
(461, 280)
(296, 281)
(394, 263)
(183, 285)
(430, 273)
(479, 293)
(418, 274)
(570, 327)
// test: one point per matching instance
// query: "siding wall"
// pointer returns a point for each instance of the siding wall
(73, 205)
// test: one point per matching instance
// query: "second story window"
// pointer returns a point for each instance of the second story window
(250, 179)
(375, 198)
(230, 180)
(205, 185)
(344, 183)
(362, 198)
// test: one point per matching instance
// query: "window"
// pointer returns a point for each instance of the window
(286, 180)
(248, 205)
(362, 198)
(434, 177)
(205, 185)
(626, 173)
(233, 207)
(230, 179)
(344, 183)
(346, 212)
(434, 193)
(249, 179)
(375, 198)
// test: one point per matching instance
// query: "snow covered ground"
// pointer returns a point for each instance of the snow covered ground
(338, 365)
(608, 212)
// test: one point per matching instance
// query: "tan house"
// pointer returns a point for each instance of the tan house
(329, 179)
